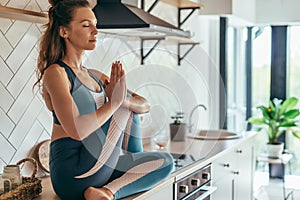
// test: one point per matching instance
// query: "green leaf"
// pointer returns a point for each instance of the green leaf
(291, 114)
(288, 124)
(265, 112)
(289, 104)
(257, 121)
(296, 135)
(272, 106)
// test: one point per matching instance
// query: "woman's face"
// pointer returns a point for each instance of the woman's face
(82, 31)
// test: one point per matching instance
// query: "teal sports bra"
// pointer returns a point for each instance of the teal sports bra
(86, 99)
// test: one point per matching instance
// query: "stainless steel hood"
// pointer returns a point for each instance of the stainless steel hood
(118, 18)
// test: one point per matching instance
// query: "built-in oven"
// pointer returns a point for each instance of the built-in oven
(195, 186)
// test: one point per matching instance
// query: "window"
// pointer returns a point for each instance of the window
(236, 80)
(261, 76)
(293, 89)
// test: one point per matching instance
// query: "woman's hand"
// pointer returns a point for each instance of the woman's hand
(115, 88)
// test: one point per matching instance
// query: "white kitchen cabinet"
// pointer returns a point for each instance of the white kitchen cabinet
(233, 173)
(243, 176)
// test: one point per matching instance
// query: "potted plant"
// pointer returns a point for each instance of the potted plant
(278, 117)
(178, 129)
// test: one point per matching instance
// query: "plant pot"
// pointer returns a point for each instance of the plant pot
(178, 131)
(275, 150)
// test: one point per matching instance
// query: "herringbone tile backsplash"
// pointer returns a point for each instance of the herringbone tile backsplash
(24, 120)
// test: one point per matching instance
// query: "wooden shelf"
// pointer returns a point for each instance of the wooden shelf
(23, 15)
(181, 40)
(183, 4)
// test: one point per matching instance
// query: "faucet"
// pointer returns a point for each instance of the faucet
(191, 114)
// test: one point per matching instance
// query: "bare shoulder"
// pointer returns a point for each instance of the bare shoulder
(100, 75)
(55, 75)
(54, 69)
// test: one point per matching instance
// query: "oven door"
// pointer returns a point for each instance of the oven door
(202, 193)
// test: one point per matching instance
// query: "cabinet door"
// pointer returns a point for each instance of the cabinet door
(244, 173)
(223, 166)
(222, 176)
(224, 189)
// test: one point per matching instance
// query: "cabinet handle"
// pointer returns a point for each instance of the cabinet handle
(239, 151)
(236, 172)
(226, 165)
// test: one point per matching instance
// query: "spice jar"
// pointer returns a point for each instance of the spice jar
(12, 172)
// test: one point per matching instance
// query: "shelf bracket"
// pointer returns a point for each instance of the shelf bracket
(151, 7)
(180, 58)
(186, 18)
(144, 56)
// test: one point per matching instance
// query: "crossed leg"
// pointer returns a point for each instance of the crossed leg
(134, 173)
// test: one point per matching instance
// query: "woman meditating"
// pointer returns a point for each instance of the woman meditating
(96, 147)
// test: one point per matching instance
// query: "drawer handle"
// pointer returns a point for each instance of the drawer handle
(236, 172)
(239, 151)
(226, 165)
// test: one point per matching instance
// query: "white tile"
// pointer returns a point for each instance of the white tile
(18, 3)
(24, 47)
(23, 74)
(7, 150)
(26, 146)
(33, 6)
(5, 73)
(6, 99)
(44, 5)
(6, 125)
(24, 99)
(3, 2)
(17, 31)
(45, 136)
(45, 118)
(2, 163)
(26, 122)
(5, 24)
(5, 49)
(41, 28)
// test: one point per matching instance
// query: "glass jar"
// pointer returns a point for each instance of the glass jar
(12, 172)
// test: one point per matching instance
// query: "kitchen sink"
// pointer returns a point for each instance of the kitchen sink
(215, 135)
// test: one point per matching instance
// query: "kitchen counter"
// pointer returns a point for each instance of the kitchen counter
(207, 150)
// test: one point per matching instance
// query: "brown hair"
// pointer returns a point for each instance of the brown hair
(52, 46)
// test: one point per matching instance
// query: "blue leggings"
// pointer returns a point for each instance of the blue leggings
(70, 158)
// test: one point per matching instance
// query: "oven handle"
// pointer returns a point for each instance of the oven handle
(209, 190)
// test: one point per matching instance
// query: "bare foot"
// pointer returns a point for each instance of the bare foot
(92, 193)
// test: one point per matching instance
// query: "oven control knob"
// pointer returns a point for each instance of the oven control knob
(195, 182)
(206, 175)
(184, 189)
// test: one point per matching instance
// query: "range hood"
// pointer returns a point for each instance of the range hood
(115, 17)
